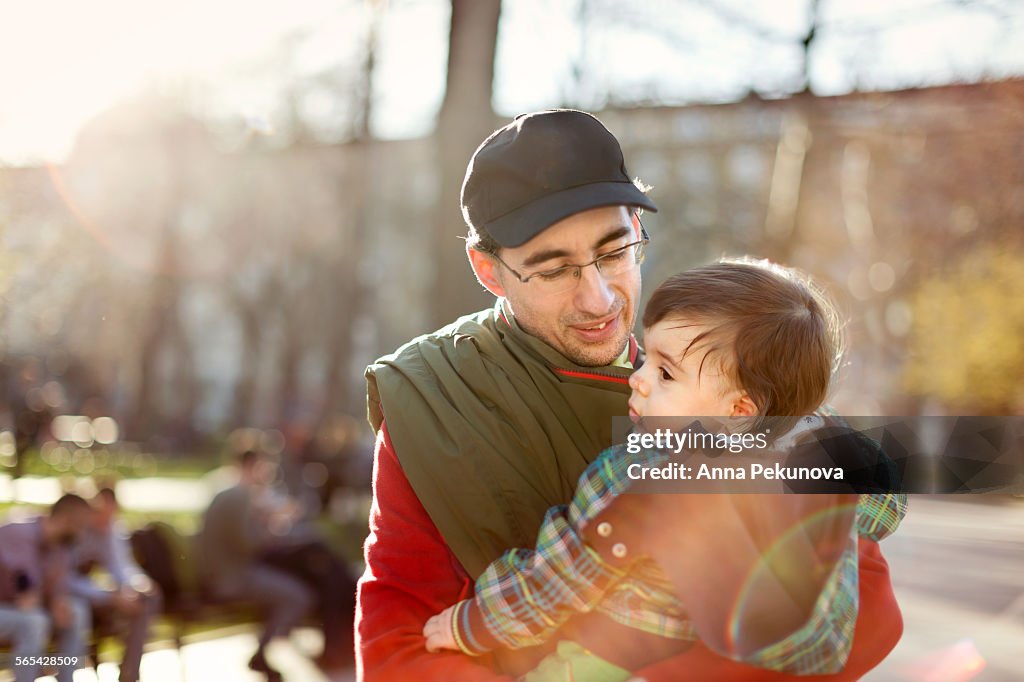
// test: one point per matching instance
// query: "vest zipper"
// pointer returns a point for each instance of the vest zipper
(596, 375)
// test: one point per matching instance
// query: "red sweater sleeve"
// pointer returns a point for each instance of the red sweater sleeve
(410, 575)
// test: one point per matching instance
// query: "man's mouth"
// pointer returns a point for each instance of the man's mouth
(598, 330)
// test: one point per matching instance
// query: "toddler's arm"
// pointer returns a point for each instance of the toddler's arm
(879, 515)
(527, 594)
(524, 596)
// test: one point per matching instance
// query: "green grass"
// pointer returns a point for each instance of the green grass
(112, 463)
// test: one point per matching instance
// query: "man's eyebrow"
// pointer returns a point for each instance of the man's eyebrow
(542, 256)
(550, 254)
(618, 233)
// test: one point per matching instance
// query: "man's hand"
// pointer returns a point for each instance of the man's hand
(142, 584)
(440, 631)
(127, 601)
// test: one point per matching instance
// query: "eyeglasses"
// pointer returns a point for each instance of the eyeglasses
(566, 277)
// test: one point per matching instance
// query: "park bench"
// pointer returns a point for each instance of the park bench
(188, 611)
(169, 559)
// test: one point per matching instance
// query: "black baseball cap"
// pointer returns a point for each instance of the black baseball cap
(542, 168)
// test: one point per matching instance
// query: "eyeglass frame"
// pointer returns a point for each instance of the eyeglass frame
(641, 243)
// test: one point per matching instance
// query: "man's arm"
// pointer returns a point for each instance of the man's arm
(83, 587)
(120, 563)
(410, 575)
(90, 550)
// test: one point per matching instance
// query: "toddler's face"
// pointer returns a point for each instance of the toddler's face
(671, 385)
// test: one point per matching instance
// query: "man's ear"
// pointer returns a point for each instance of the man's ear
(743, 406)
(485, 268)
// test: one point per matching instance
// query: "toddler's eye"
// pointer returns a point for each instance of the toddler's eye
(665, 376)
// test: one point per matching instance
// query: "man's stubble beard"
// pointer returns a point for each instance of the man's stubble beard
(582, 354)
(578, 354)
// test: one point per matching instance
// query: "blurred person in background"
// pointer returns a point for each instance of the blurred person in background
(309, 559)
(35, 562)
(298, 548)
(132, 601)
(328, 465)
(234, 535)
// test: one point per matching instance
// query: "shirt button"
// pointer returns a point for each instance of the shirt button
(618, 550)
(604, 529)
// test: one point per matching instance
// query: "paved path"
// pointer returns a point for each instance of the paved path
(224, 660)
(958, 569)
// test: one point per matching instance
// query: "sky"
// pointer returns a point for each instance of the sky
(64, 61)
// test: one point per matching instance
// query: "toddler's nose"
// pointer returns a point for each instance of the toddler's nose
(637, 383)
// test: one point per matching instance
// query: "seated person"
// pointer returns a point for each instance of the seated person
(132, 597)
(34, 597)
(233, 538)
(311, 561)
(297, 548)
(734, 339)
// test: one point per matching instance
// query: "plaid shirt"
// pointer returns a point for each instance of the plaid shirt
(524, 596)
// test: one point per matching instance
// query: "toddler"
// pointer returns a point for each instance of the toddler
(769, 580)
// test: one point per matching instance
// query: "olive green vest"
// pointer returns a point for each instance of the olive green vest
(492, 427)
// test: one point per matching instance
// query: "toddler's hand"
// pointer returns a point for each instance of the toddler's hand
(438, 631)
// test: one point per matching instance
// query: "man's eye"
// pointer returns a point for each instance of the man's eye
(665, 376)
(614, 256)
(553, 275)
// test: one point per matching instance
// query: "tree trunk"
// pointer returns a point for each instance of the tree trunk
(245, 388)
(162, 305)
(466, 118)
(348, 291)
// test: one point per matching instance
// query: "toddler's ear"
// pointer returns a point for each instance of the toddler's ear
(743, 406)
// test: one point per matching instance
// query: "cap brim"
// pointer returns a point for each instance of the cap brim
(523, 224)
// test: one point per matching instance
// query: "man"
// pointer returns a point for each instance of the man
(34, 598)
(235, 533)
(134, 599)
(485, 424)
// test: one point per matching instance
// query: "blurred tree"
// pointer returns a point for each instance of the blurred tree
(299, 228)
(965, 347)
(466, 118)
(246, 287)
(164, 331)
(345, 277)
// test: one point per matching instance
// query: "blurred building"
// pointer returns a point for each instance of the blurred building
(875, 193)
(203, 284)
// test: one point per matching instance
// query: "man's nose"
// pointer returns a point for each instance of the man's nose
(593, 294)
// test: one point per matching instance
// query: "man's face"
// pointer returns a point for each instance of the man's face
(591, 322)
(261, 471)
(103, 513)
